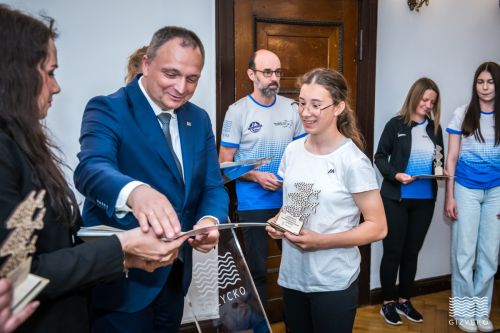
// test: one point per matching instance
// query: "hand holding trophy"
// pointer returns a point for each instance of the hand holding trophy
(302, 204)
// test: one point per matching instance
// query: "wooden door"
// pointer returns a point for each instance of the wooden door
(304, 34)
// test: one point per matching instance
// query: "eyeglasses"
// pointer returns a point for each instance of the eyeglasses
(268, 73)
(313, 108)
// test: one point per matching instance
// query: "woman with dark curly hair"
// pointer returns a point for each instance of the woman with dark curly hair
(28, 60)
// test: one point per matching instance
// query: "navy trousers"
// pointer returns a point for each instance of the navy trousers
(164, 315)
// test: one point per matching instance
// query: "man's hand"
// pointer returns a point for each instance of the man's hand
(151, 208)
(9, 321)
(267, 180)
(206, 241)
(148, 246)
(307, 240)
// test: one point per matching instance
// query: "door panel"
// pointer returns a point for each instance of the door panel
(295, 41)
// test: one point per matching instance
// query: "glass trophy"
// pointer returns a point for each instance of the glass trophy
(232, 170)
(222, 296)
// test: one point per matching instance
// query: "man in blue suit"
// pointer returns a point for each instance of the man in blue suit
(148, 157)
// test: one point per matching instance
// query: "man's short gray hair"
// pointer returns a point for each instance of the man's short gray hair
(188, 39)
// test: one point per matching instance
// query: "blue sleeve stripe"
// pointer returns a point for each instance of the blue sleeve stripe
(452, 131)
(229, 144)
(300, 136)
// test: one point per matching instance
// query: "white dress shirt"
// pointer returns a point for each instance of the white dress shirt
(121, 207)
(121, 203)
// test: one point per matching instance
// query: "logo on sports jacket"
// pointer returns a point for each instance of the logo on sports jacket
(254, 127)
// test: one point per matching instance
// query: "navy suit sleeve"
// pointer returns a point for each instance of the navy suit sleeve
(97, 175)
(214, 200)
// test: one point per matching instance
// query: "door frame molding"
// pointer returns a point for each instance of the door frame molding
(365, 95)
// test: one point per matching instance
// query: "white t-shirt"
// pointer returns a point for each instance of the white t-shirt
(336, 175)
(260, 131)
(478, 164)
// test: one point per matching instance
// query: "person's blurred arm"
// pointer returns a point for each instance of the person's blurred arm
(102, 260)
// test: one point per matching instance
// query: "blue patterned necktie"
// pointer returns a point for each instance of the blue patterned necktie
(164, 118)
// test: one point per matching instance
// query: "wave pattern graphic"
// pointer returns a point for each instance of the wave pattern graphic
(204, 274)
(223, 269)
(228, 274)
(468, 307)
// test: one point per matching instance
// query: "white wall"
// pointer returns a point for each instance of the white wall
(95, 39)
(445, 41)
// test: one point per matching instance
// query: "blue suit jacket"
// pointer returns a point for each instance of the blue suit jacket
(121, 140)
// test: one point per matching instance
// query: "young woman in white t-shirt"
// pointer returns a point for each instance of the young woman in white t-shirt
(327, 176)
(473, 200)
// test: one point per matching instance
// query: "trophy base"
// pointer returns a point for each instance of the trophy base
(288, 223)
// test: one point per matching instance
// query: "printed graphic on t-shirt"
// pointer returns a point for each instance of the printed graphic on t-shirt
(254, 127)
(419, 163)
(478, 164)
(283, 123)
(259, 131)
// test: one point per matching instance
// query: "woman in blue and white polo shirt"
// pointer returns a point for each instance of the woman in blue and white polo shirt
(406, 150)
(473, 200)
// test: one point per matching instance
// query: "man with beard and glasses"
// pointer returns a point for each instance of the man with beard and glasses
(260, 125)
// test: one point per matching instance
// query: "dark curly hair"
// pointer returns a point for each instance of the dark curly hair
(25, 42)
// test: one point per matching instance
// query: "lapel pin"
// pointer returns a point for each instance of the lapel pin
(188, 123)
